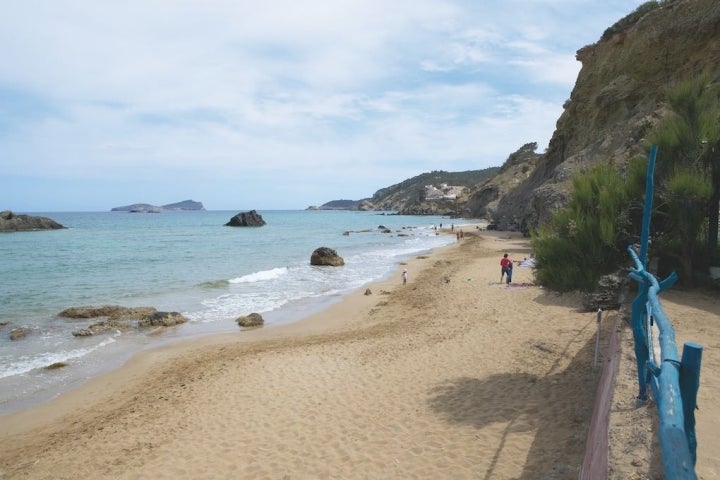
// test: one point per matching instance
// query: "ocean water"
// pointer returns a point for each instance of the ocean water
(177, 261)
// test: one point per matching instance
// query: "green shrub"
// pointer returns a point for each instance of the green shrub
(588, 238)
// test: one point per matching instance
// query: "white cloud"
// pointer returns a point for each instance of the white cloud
(348, 96)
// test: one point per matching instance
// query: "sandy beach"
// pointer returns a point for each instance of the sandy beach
(451, 376)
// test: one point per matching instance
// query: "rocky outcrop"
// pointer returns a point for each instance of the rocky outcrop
(19, 333)
(252, 320)
(410, 196)
(111, 312)
(56, 365)
(246, 219)
(608, 296)
(11, 222)
(162, 319)
(617, 99)
(118, 318)
(484, 199)
(100, 327)
(325, 256)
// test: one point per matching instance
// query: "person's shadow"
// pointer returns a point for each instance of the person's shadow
(556, 405)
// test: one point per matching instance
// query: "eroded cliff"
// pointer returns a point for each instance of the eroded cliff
(617, 99)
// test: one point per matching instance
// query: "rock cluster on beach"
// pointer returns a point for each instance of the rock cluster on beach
(11, 222)
(115, 317)
(608, 296)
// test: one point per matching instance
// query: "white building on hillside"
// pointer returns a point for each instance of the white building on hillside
(442, 191)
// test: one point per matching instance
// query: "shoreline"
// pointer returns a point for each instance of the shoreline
(453, 375)
(319, 319)
(42, 386)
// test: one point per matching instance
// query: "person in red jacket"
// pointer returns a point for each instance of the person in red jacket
(506, 268)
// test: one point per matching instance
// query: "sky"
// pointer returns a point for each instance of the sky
(279, 104)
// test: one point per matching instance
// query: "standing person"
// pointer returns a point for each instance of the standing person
(404, 277)
(505, 264)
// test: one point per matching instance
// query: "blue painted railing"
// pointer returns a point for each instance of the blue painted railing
(674, 382)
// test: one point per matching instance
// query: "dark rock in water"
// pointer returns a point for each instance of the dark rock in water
(112, 312)
(120, 318)
(326, 256)
(10, 222)
(56, 365)
(162, 319)
(100, 327)
(252, 320)
(84, 332)
(246, 219)
(19, 333)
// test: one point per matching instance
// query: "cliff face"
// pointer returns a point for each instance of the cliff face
(484, 199)
(617, 99)
(408, 197)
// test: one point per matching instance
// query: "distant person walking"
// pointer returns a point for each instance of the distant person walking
(506, 268)
(404, 277)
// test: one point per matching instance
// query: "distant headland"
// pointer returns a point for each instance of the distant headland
(147, 208)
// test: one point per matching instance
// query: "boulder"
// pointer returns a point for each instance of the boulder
(162, 319)
(246, 219)
(19, 333)
(252, 320)
(98, 328)
(325, 256)
(83, 332)
(56, 365)
(10, 222)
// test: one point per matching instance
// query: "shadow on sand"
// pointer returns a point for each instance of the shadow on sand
(556, 406)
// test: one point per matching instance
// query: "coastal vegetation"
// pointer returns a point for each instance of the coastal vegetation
(631, 19)
(688, 197)
(587, 238)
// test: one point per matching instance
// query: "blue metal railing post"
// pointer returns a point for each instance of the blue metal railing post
(647, 209)
(674, 383)
(689, 385)
(637, 321)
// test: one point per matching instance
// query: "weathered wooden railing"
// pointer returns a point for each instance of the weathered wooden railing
(674, 383)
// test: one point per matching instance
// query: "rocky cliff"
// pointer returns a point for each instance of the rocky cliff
(617, 99)
(409, 197)
(483, 200)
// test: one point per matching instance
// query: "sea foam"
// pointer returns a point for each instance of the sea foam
(28, 363)
(260, 276)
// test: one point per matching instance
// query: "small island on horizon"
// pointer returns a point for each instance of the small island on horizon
(147, 208)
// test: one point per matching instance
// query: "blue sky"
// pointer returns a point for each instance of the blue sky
(276, 104)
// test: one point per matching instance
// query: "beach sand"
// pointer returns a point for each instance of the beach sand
(451, 376)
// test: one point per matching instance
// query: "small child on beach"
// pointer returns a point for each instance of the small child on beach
(404, 277)
(506, 268)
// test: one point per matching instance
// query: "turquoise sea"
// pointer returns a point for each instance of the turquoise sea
(185, 261)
